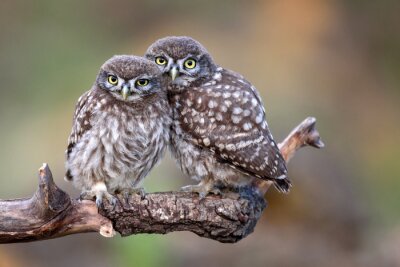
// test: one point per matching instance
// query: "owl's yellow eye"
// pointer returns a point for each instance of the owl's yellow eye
(142, 82)
(161, 61)
(190, 63)
(112, 79)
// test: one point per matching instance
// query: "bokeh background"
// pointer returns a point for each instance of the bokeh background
(336, 60)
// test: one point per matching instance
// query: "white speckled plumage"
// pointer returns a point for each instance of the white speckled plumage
(233, 144)
(116, 142)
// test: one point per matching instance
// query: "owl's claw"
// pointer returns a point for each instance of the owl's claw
(202, 189)
(216, 191)
(99, 196)
(141, 192)
(87, 195)
(128, 192)
(99, 202)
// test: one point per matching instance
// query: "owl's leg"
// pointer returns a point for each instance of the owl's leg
(128, 192)
(99, 192)
(205, 187)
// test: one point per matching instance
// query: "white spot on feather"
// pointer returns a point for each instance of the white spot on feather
(246, 112)
(228, 103)
(236, 119)
(206, 141)
(226, 94)
(230, 147)
(259, 118)
(237, 110)
(218, 116)
(236, 94)
(212, 104)
(217, 76)
(247, 126)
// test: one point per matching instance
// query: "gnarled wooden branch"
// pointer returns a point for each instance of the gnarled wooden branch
(51, 213)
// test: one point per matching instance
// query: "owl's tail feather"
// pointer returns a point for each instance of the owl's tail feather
(283, 185)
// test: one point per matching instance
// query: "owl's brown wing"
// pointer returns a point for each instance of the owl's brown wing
(81, 122)
(226, 115)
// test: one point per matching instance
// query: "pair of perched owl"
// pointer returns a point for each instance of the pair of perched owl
(211, 118)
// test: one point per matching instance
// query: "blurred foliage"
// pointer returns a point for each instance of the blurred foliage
(142, 250)
(336, 60)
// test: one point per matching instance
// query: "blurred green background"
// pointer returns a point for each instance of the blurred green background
(336, 60)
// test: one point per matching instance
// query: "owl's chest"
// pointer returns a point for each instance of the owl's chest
(183, 145)
(125, 134)
(181, 115)
(194, 113)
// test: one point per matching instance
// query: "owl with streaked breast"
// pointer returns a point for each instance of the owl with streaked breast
(219, 133)
(120, 129)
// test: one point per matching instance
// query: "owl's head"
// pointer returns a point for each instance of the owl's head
(183, 58)
(128, 78)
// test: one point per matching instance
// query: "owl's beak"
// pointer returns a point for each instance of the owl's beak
(125, 92)
(173, 73)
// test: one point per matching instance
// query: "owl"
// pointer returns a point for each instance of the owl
(219, 133)
(120, 129)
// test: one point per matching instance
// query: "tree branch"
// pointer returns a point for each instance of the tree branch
(51, 213)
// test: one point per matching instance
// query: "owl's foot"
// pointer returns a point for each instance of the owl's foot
(203, 189)
(128, 192)
(99, 195)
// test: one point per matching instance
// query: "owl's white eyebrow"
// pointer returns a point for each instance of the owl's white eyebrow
(144, 76)
(194, 56)
(162, 54)
(110, 73)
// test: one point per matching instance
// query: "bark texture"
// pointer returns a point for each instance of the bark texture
(51, 213)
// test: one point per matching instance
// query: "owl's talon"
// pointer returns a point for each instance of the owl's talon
(99, 202)
(87, 195)
(140, 191)
(111, 199)
(202, 189)
(114, 202)
(202, 195)
(99, 197)
(216, 191)
(128, 192)
(125, 196)
(187, 188)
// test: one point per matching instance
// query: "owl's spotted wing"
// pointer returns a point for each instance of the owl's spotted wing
(81, 122)
(226, 115)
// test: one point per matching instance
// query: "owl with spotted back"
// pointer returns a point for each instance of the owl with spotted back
(120, 129)
(219, 133)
